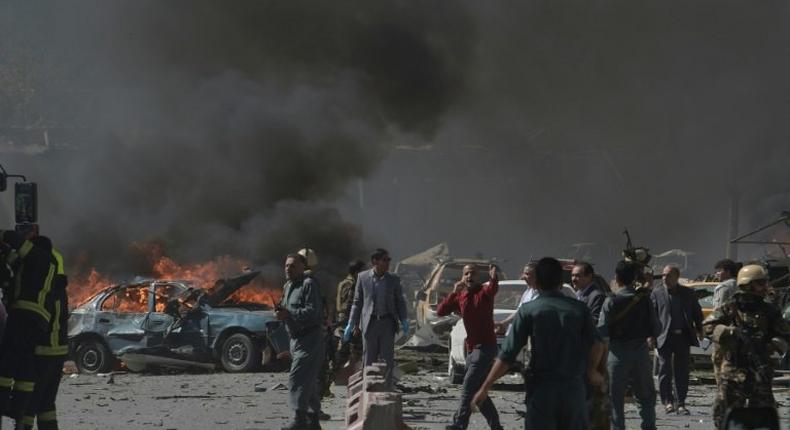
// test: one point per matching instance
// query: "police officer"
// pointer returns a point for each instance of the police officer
(746, 330)
(29, 319)
(345, 299)
(302, 310)
(50, 355)
(628, 320)
(565, 350)
(326, 375)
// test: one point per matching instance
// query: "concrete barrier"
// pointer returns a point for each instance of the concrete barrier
(371, 405)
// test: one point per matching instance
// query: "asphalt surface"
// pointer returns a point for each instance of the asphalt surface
(258, 401)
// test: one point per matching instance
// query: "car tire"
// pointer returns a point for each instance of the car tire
(239, 354)
(93, 356)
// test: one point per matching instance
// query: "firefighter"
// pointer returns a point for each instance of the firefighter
(35, 268)
(50, 355)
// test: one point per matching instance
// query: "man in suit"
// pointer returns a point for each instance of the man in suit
(599, 408)
(379, 307)
(680, 317)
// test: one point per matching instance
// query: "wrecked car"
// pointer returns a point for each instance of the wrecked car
(431, 328)
(174, 324)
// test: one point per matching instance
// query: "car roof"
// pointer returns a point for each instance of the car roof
(513, 282)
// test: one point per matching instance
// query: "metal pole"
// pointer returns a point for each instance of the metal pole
(732, 249)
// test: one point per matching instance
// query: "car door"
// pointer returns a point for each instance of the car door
(121, 316)
(158, 322)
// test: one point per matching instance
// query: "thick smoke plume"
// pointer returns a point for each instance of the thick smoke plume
(220, 129)
(510, 130)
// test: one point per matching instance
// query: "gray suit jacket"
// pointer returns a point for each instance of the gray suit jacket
(692, 312)
(364, 299)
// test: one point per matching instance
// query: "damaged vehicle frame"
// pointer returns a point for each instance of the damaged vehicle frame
(173, 324)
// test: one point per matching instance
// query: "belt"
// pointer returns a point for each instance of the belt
(380, 317)
(676, 331)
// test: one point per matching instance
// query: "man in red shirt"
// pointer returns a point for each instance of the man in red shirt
(475, 303)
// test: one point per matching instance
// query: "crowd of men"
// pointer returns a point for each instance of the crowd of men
(588, 345)
(34, 337)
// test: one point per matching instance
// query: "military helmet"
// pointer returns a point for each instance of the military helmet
(310, 256)
(751, 272)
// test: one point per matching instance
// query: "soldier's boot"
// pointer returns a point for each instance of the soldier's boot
(314, 421)
(299, 422)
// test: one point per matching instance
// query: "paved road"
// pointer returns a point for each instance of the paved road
(212, 401)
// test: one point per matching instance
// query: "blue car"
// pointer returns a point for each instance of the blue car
(173, 324)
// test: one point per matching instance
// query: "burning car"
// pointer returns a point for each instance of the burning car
(174, 324)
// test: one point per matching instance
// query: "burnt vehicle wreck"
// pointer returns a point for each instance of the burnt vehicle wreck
(174, 324)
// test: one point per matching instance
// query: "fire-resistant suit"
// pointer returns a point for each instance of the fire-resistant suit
(28, 321)
(50, 355)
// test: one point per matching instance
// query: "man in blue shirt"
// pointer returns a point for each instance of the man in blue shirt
(629, 322)
(561, 331)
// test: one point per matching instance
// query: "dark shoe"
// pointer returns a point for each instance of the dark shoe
(323, 416)
(314, 421)
(683, 411)
(299, 422)
(453, 427)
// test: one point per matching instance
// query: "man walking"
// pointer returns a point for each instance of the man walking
(628, 320)
(378, 307)
(747, 330)
(565, 349)
(475, 303)
(302, 311)
(680, 318)
(599, 406)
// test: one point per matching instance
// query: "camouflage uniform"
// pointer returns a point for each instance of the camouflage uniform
(345, 299)
(742, 329)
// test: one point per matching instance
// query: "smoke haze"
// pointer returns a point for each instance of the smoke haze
(510, 130)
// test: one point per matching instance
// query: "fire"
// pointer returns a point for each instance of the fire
(203, 275)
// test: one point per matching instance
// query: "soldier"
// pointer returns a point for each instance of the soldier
(302, 311)
(746, 330)
(345, 299)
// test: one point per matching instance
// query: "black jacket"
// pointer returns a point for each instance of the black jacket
(692, 311)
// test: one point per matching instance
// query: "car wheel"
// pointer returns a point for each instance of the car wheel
(239, 354)
(94, 357)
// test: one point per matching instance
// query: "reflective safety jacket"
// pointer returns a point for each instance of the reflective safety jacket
(35, 269)
(56, 343)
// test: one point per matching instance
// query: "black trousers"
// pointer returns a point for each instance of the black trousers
(673, 367)
(49, 371)
(478, 363)
(17, 367)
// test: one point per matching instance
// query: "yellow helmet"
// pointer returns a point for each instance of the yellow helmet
(752, 272)
(310, 256)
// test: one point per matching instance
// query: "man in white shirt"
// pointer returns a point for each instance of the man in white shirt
(530, 294)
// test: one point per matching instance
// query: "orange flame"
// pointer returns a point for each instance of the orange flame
(83, 286)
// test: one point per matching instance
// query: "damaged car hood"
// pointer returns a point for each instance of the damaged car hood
(224, 288)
